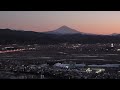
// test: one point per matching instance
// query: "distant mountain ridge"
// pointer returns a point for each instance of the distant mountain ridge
(114, 34)
(8, 36)
(64, 30)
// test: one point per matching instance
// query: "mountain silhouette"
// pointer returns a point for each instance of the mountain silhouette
(64, 30)
(8, 36)
(114, 34)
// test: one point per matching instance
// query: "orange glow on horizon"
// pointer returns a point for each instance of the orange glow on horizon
(96, 22)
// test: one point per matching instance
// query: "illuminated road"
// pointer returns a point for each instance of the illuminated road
(9, 51)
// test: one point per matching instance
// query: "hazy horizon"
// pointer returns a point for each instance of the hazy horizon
(96, 22)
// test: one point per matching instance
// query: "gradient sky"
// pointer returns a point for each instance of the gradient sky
(99, 22)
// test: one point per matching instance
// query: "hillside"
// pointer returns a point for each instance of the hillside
(8, 36)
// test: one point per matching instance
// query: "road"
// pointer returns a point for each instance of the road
(10, 51)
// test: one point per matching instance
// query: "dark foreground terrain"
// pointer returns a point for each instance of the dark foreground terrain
(61, 61)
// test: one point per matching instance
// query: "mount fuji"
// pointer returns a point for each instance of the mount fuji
(64, 30)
